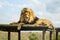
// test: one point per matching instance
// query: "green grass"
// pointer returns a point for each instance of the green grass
(24, 36)
(33, 36)
(58, 37)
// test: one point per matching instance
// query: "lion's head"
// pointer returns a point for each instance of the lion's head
(27, 15)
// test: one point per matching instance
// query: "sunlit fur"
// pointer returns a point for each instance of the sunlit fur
(45, 22)
(27, 15)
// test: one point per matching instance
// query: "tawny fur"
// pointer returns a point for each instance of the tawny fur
(31, 15)
(27, 15)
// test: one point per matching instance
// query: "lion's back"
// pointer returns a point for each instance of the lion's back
(44, 21)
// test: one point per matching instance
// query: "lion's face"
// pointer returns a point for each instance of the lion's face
(27, 15)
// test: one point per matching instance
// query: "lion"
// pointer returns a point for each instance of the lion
(27, 17)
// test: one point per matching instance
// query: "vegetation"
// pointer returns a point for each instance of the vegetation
(33, 37)
(58, 37)
(14, 36)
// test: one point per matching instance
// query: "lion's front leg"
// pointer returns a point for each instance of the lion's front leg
(20, 25)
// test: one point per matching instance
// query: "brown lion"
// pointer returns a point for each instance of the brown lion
(27, 17)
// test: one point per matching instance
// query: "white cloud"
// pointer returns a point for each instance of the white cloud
(35, 1)
(53, 6)
(38, 6)
(0, 6)
(56, 23)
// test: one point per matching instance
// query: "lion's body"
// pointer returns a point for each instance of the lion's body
(27, 17)
(43, 21)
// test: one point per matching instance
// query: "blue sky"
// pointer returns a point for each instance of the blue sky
(10, 10)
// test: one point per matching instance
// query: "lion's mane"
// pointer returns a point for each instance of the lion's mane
(31, 18)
